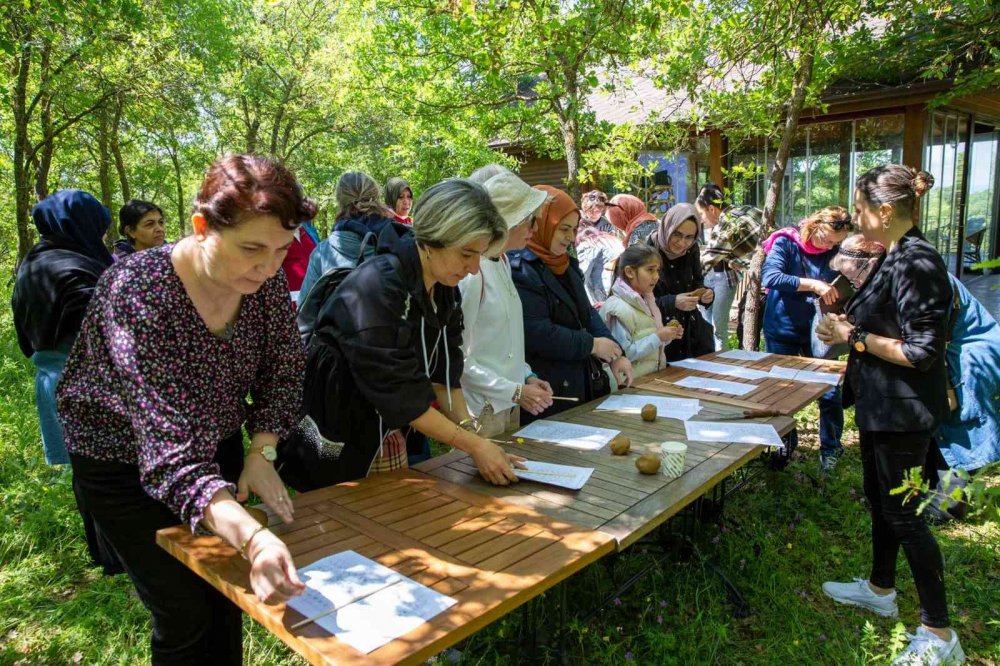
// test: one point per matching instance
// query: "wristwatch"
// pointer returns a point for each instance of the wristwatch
(857, 339)
(268, 453)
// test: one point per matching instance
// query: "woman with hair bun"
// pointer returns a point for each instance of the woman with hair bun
(360, 211)
(796, 274)
(897, 380)
(154, 399)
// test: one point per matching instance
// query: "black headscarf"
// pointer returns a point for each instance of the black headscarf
(57, 278)
(74, 217)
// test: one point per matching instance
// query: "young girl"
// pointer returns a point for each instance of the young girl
(631, 311)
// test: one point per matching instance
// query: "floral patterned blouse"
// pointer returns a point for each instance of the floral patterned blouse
(148, 384)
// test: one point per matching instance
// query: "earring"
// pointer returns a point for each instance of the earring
(886, 224)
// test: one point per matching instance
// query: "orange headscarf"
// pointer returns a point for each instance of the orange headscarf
(552, 211)
(626, 212)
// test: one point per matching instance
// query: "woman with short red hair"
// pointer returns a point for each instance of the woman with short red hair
(153, 402)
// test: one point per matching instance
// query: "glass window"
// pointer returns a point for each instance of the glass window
(944, 158)
(981, 216)
(823, 163)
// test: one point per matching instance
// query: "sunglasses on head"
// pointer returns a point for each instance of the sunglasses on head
(596, 197)
(841, 224)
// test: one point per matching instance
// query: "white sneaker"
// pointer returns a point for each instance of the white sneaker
(860, 594)
(926, 649)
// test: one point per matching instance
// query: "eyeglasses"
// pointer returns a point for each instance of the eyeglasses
(596, 198)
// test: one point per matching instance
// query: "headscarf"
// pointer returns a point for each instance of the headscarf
(673, 218)
(793, 233)
(626, 212)
(77, 218)
(552, 211)
(394, 190)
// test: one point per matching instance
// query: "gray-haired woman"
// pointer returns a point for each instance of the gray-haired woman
(388, 344)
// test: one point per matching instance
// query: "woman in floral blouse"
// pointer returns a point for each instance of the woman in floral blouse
(153, 400)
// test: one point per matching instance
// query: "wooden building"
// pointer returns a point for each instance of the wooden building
(958, 143)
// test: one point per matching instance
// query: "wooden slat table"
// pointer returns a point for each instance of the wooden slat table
(490, 555)
(618, 500)
(785, 395)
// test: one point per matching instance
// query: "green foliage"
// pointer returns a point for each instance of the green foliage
(979, 492)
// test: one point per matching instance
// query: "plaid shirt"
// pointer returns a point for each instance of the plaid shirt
(734, 239)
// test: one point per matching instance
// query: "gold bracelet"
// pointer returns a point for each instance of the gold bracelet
(243, 548)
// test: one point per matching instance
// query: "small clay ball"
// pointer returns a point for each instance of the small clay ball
(647, 463)
(620, 445)
(648, 413)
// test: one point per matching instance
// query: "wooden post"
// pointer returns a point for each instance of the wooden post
(715, 152)
(913, 135)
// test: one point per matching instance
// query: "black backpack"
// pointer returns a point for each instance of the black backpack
(324, 287)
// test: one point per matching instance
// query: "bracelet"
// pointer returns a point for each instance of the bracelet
(243, 548)
(530, 375)
(518, 392)
(471, 424)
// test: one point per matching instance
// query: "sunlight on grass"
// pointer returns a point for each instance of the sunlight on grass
(782, 537)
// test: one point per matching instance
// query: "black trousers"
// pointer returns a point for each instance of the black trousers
(193, 623)
(885, 457)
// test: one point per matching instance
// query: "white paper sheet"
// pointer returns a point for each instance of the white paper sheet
(733, 433)
(720, 369)
(720, 385)
(673, 408)
(564, 476)
(571, 435)
(781, 372)
(395, 605)
(742, 355)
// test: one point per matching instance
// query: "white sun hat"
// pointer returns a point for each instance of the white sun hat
(514, 199)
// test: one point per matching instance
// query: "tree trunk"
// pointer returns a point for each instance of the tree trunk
(570, 128)
(182, 222)
(116, 149)
(752, 306)
(104, 169)
(44, 161)
(22, 175)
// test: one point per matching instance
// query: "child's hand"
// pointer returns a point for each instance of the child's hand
(668, 334)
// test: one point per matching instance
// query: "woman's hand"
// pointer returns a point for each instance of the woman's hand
(668, 334)
(272, 573)
(834, 329)
(536, 396)
(606, 349)
(826, 293)
(708, 296)
(686, 302)
(495, 464)
(259, 476)
(622, 369)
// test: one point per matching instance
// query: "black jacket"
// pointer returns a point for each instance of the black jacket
(680, 276)
(54, 285)
(367, 356)
(907, 299)
(560, 325)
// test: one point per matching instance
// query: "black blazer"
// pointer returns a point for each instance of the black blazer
(560, 325)
(907, 299)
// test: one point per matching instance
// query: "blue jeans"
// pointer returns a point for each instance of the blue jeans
(49, 366)
(831, 409)
(717, 314)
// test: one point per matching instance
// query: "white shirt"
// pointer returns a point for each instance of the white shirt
(493, 339)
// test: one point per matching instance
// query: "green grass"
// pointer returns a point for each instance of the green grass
(782, 538)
